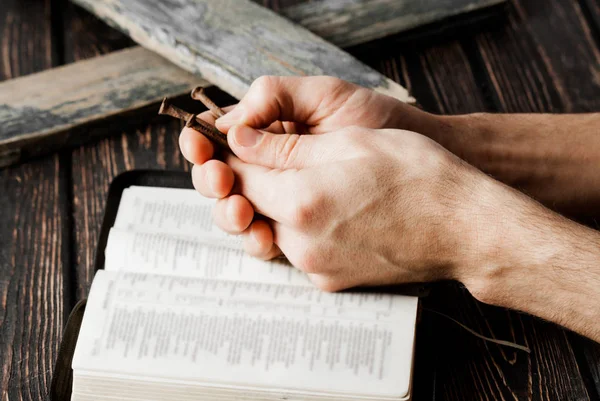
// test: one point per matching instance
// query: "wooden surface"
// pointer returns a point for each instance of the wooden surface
(35, 248)
(352, 22)
(544, 58)
(74, 104)
(229, 44)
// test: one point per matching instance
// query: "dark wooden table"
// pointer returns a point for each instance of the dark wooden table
(544, 58)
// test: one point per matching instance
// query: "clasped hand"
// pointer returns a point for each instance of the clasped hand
(321, 173)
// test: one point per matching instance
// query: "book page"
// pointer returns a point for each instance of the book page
(145, 252)
(173, 211)
(267, 337)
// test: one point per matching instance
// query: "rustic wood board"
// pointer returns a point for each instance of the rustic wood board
(232, 42)
(40, 112)
(73, 104)
(347, 23)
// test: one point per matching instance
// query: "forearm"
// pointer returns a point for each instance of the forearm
(554, 158)
(527, 257)
(534, 260)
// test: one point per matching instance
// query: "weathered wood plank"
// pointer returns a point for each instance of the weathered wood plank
(229, 44)
(34, 231)
(63, 106)
(347, 23)
(73, 104)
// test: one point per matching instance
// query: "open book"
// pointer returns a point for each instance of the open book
(181, 313)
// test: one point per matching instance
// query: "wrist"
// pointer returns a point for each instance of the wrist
(531, 259)
(411, 118)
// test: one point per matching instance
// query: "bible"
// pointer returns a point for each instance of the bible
(180, 312)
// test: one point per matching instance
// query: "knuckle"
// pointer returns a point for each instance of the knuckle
(301, 216)
(308, 261)
(264, 83)
(314, 259)
(429, 156)
(326, 283)
(304, 212)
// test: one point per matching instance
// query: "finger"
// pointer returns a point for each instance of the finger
(209, 117)
(258, 241)
(233, 214)
(213, 179)
(292, 244)
(280, 151)
(194, 146)
(269, 191)
(298, 99)
(277, 127)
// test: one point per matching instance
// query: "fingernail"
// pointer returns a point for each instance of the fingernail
(246, 136)
(234, 117)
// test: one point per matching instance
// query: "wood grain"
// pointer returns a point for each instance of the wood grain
(34, 232)
(532, 70)
(347, 23)
(591, 9)
(228, 43)
(73, 104)
(468, 368)
(154, 146)
(588, 358)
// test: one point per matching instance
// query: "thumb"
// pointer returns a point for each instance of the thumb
(277, 151)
